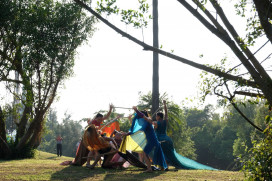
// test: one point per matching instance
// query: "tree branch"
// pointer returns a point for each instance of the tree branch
(250, 94)
(230, 99)
(11, 80)
(167, 54)
(239, 111)
(238, 40)
(224, 36)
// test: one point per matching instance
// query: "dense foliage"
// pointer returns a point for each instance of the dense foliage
(219, 141)
(38, 42)
(257, 163)
(71, 131)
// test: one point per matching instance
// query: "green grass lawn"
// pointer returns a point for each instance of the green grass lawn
(47, 166)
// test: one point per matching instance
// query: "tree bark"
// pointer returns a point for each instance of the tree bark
(250, 94)
(5, 151)
(2, 126)
(155, 79)
(36, 124)
(261, 78)
(35, 140)
(238, 40)
(22, 125)
(224, 36)
(264, 9)
(4, 148)
(33, 125)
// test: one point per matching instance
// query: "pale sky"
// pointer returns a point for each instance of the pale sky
(112, 69)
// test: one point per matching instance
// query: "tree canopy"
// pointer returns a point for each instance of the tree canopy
(38, 42)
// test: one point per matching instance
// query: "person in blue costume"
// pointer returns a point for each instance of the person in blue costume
(152, 148)
(171, 156)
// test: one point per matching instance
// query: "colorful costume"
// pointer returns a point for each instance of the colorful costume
(95, 142)
(171, 156)
(142, 138)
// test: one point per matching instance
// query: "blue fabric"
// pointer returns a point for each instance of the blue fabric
(153, 147)
(171, 156)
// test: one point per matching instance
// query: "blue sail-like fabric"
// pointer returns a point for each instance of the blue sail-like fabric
(152, 147)
(171, 156)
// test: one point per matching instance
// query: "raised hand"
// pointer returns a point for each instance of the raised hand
(134, 107)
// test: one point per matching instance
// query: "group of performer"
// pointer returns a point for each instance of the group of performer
(146, 137)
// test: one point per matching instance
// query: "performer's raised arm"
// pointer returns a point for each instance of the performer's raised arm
(109, 113)
(142, 115)
(165, 110)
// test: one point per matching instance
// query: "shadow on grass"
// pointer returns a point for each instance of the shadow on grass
(3, 161)
(79, 173)
(53, 158)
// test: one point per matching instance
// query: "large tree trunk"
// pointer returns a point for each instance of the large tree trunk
(264, 9)
(2, 126)
(155, 81)
(34, 125)
(266, 87)
(22, 124)
(5, 151)
(36, 136)
(4, 148)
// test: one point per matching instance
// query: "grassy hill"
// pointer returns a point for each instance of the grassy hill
(46, 166)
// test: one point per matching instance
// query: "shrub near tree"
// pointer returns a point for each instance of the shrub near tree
(38, 42)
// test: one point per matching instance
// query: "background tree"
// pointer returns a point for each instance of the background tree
(220, 141)
(71, 131)
(38, 40)
(213, 138)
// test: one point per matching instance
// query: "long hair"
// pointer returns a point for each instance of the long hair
(92, 140)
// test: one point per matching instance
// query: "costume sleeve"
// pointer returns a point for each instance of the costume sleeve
(140, 114)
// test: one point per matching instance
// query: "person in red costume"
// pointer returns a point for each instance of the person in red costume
(97, 121)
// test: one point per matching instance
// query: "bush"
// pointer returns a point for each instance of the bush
(257, 165)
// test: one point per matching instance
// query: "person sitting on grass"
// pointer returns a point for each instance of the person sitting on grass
(93, 141)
